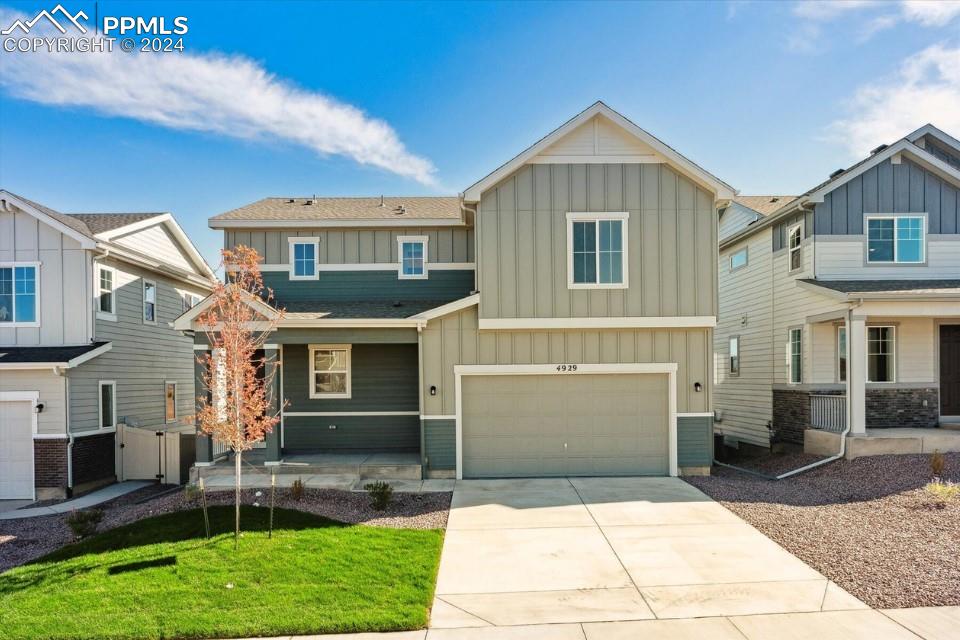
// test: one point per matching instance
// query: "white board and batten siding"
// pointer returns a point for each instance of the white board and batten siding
(156, 242)
(63, 309)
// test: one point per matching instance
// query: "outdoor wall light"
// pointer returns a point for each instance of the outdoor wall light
(697, 387)
(433, 390)
(39, 407)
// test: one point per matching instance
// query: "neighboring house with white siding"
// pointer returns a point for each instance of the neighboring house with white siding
(86, 302)
(843, 305)
(554, 319)
(744, 211)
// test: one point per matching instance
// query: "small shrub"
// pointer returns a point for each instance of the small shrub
(297, 489)
(942, 492)
(84, 523)
(381, 493)
(938, 464)
(191, 492)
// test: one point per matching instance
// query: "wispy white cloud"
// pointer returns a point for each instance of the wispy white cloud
(930, 13)
(824, 10)
(228, 95)
(926, 88)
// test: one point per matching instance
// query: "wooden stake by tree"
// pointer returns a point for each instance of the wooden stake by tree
(238, 409)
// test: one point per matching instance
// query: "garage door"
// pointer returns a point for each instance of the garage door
(16, 450)
(556, 425)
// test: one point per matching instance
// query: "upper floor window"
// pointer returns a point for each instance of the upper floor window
(330, 371)
(738, 260)
(149, 301)
(795, 246)
(597, 250)
(18, 294)
(880, 354)
(303, 258)
(190, 300)
(896, 239)
(795, 356)
(735, 355)
(413, 256)
(106, 287)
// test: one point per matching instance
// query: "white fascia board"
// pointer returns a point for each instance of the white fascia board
(450, 307)
(342, 323)
(334, 224)
(89, 355)
(582, 369)
(623, 322)
(689, 168)
(85, 241)
(69, 364)
(185, 321)
(943, 136)
(824, 291)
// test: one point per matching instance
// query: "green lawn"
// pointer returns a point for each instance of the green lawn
(160, 578)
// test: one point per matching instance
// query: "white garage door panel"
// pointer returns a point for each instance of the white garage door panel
(16, 450)
(585, 424)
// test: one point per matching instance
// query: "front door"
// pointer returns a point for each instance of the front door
(950, 369)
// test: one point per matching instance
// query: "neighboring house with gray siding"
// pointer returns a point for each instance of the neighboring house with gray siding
(555, 319)
(86, 343)
(843, 306)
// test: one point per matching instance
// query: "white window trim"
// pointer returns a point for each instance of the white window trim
(585, 216)
(746, 252)
(113, 401)
(425, 240)
(35, 323)
(895, 217)
(194, 300)
(314, 394)
(176, 414)
(893, 353)
(105, 315)
(291, 241)
(843, 353)
(790, 379)
(730, 340)
(143, 301)
(798, 227)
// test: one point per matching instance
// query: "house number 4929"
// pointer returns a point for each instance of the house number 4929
(566, 368)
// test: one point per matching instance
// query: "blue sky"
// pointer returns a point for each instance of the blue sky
(296, 98)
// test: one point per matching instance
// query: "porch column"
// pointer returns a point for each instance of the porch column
(857, 374)
(273, 366)
(204, 447)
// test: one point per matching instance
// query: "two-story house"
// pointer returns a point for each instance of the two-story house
(86, 302)
(554, 319)
(841, 309)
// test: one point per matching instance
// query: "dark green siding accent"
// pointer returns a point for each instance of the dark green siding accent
(336, 336)
(440, 444)
(353, 434)
(694, 441)
(383, 378)
(370, 286)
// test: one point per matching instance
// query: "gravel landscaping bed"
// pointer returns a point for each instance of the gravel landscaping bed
(29, 538)
(774, 464)
(866, 524)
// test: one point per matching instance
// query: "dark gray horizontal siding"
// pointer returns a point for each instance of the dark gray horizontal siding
(440, 444)
(370, 286)
(694, 441)
(889, 188)
(320, 335)
(352, 434)
(383, 378)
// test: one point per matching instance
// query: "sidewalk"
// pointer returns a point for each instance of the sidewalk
(91, 499)
(929, 623)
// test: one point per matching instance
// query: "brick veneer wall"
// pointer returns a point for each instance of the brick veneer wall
(50, 463)
(888, 408)
(93, 458)
(791, 414)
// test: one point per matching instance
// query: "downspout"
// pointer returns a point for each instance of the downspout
(66, 401)
(423, 458)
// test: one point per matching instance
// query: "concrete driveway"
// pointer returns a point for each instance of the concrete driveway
(546, 551)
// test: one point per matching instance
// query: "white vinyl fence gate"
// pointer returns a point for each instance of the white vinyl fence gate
(145, 453)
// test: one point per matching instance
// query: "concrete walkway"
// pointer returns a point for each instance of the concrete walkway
(91, 499)
(585, 550)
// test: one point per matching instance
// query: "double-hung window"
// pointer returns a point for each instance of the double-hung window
(303, 258)
(795, 355)
(413, 256)
(106, 292)
(896, 239)
(107, 404)
(329, 371)
(881, 365)
(597, 250)
(149, 302)
(841, 354)
(795, 247)
(18, 294)
(735, 355)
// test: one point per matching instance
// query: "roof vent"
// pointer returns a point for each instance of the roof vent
(381, 200)
(774, 199)
(836, 173)
(400, 210)
(312, 200)
(290, 201)
(878, 149)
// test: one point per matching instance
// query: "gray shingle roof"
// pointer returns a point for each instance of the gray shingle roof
(889, 286)
(74, 223)
(393, 208)
(45, 354)
(102, 222)
(356, 310)
(764, 205)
